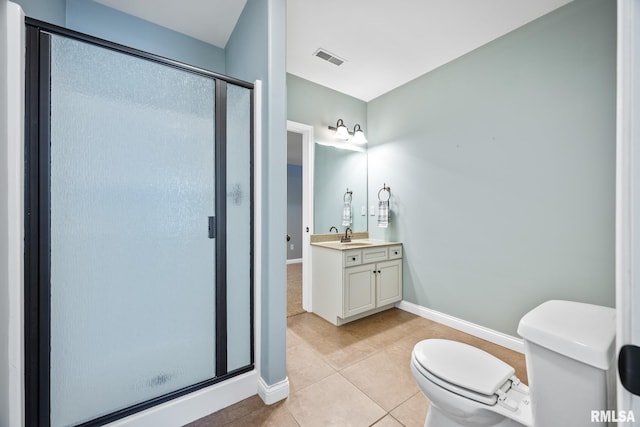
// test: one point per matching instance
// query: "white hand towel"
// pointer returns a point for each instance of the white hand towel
(347, 214)
(383, 213)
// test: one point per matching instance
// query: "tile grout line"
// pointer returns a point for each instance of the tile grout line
(368, 397)
(385, 335)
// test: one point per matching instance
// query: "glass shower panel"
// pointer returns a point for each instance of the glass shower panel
(239, 227)
(132, 266)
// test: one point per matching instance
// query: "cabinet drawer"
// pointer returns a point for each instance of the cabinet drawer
(395, 252)
(352, 258)
(374, 255)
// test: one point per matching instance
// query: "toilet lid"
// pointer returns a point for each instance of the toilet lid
(462, 365)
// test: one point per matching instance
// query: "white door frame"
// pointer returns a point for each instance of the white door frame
(307, 206)
(627, 188)
(12, 382)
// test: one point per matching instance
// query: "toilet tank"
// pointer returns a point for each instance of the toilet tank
(569, 352)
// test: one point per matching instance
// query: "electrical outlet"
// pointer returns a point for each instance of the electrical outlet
(363, 211)
(291, 246)
(372, 211)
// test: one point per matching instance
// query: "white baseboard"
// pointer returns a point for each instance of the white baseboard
(294, 261)
(191, 407)
(490, 335)
(271, 394)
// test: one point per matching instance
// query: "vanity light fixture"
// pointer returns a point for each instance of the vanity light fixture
(341, 130)
(343, 133)
(358, 135)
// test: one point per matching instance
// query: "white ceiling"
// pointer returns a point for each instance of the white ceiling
(388, 43)
(385, 43)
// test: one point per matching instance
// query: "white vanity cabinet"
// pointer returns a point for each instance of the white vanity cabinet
(350, 284)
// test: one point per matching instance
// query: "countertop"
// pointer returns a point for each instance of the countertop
(354, 244)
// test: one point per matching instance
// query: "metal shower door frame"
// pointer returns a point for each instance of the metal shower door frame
(37, 223)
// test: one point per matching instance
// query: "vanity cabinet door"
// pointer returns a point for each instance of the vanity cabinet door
(359, 290)
(388, 282)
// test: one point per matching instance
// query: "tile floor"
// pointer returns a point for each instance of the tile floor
(354, 375)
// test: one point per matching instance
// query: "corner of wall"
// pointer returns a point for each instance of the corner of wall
(271, 394)
(52, 11)
(256, 51)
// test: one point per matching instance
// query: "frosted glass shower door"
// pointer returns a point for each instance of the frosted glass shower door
(132, 262)
(238, 207)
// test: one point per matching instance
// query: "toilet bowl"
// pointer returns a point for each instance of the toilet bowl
(569, 351)
(468, 387)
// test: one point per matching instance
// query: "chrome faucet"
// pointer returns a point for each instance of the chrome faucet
(347, 235)
(333, 227)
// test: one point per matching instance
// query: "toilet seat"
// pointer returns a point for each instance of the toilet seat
(478, 397)
(467, 385)
(464, 370)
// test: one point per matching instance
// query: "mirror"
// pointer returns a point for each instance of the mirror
(336, 171)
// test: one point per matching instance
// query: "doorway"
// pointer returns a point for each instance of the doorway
(300, 153)
(294, 224)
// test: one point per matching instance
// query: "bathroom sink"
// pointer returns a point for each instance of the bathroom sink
(356, 244)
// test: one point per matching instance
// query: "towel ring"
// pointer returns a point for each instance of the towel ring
(387, 189)
(348, 194)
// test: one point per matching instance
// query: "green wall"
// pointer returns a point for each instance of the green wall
(319, 106)
(334, 169)
(502, 170)
(256, 50)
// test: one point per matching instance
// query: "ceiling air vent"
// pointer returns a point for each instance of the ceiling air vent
(328, 56)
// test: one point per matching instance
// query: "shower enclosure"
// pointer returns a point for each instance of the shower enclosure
(138, 245)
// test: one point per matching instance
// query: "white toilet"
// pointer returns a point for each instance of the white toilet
(569, 351)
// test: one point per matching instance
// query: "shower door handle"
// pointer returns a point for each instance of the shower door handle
(212, 227)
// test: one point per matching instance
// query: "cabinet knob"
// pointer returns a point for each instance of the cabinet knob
(379, 271)
(353, 258)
